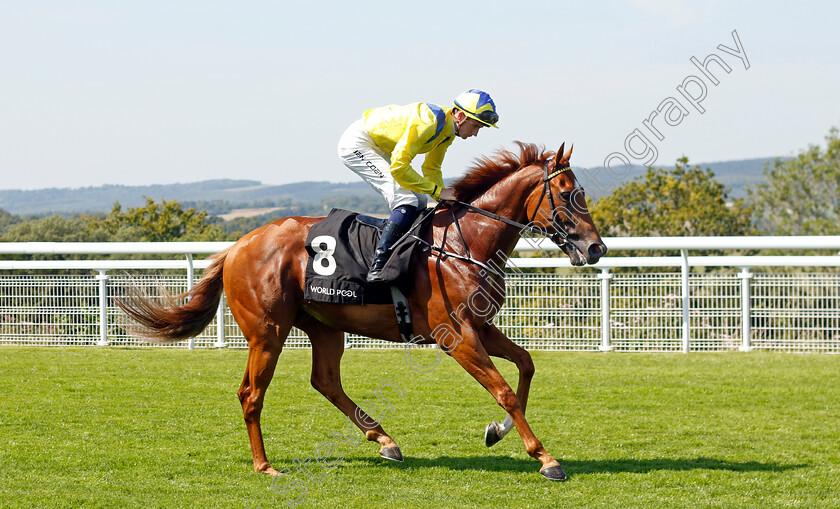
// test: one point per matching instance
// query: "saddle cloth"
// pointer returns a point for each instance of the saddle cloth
(341, 248)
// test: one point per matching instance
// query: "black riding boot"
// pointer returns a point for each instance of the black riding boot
(391, 232)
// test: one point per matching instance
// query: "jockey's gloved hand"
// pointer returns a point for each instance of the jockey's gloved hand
(448, 194)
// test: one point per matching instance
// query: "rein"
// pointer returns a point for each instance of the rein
(560, 237)
(468, 258)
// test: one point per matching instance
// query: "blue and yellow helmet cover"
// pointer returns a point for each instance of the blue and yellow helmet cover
(478, 105)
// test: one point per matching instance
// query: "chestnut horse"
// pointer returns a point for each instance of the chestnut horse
(262, 276)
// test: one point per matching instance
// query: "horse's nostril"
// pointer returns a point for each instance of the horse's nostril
(597, 250)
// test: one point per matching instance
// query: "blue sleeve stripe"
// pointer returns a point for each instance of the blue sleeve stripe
(440, 117)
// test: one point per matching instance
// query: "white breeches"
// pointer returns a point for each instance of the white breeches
(358, 151)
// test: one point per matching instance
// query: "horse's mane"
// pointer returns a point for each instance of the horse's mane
(488, 171)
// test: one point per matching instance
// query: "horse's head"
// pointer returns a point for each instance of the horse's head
(558, 206)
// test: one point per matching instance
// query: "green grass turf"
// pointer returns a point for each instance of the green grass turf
(110, 427)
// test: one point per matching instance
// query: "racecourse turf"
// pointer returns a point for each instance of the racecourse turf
(143, 427)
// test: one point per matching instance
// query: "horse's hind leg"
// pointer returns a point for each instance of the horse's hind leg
(327, 349)
(499, 345)
(263, 350)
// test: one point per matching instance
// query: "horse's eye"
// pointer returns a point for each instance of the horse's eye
(567, 196)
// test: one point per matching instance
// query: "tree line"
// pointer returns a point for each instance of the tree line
(167, 221)
(799, 196)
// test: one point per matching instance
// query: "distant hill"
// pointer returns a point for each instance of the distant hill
(735, 175)
(239, 192)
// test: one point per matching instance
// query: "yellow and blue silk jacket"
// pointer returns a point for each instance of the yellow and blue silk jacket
(404, 132)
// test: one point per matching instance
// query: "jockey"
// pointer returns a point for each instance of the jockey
(380, 146)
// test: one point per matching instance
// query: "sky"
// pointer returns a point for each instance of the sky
(159, 92)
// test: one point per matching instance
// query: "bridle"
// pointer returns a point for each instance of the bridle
(560, 233)
(560, 237)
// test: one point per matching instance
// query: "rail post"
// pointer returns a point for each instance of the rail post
(746, 309)
(220, 323)
(190, 281)
(605, 277)
(686, 304)
(102, 277)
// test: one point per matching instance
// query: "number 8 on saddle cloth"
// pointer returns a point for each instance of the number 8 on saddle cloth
(340, 249)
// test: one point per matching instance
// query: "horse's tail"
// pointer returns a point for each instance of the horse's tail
(165, 320)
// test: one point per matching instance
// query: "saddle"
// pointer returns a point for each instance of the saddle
(341, 248)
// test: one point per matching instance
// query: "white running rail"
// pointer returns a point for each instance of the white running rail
(704, 303)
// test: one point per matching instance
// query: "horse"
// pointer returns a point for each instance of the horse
(262, 276)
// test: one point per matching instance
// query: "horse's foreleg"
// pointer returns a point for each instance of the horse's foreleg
(472, 356)
(498, 345)
(327, 349)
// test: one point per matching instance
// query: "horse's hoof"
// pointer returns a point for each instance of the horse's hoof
(554, 473)
(391, 453)
(491, 434)
(269, 471)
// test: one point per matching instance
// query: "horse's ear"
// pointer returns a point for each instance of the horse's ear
(559, 155)
(568, 155)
